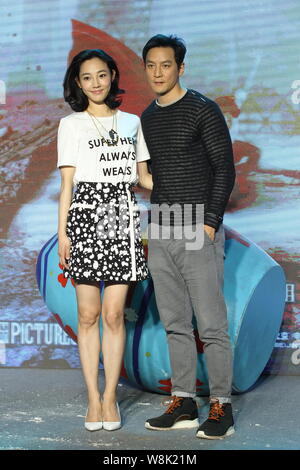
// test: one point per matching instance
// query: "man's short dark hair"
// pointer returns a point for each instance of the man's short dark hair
(160, 40)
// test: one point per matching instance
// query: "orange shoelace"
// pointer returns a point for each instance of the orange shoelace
(216, 411)
(176, 401)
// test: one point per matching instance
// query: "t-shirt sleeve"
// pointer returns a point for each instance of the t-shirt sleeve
(142, 152)
(67, 143)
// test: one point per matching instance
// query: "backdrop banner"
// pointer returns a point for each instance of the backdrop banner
(245, 58)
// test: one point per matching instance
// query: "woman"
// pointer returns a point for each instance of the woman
(101, 150)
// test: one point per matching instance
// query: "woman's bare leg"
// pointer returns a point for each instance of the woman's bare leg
(89, 308)
(113, 344)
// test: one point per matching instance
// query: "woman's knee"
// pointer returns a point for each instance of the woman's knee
(113, 318)
(88, 318)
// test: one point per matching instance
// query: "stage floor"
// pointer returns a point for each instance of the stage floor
(45, 409)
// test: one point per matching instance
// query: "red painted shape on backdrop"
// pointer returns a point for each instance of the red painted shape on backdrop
(167, 385)
(67, 329)
(62, 280)
(198, 385)
(70, 333)
(228, 105)
(199, 343)
(123, 372)
(229, 233)
(145, 246)
(59, 320)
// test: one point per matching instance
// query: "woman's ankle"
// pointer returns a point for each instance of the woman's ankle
(94, 398)
(109, 397)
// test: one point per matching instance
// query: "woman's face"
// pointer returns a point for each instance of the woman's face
(95, 79)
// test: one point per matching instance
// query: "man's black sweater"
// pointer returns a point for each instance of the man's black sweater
(191, 154)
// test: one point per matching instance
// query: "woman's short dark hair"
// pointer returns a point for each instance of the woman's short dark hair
(74, 95)
(160, 40)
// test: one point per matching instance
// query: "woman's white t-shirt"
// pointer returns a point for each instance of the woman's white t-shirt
(79, 144)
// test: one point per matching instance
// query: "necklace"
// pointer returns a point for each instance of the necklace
(113, 134)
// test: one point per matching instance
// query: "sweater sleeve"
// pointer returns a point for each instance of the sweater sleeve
(67, 144)
(217, 142)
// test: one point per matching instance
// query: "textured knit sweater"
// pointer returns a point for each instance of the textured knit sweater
(191, 155)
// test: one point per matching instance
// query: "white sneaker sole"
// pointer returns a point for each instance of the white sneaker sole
(185, 424)
(229, 432)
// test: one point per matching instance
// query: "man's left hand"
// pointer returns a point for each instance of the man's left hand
(210, 231)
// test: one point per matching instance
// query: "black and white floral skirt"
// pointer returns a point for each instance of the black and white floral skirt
(103, 225)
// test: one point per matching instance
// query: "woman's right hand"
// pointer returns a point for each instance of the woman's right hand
(64, 245)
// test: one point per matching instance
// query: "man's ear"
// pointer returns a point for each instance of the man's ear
(181, 69)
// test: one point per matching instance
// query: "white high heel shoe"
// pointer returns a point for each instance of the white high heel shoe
(92, 425)
(113, 425)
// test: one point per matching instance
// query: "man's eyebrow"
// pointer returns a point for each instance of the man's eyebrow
(162, 62)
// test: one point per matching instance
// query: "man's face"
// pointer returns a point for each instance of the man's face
(161, 69)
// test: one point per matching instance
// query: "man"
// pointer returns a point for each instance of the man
(192, 166)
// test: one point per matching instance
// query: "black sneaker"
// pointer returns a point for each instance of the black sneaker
(182, 413)
(219, 423)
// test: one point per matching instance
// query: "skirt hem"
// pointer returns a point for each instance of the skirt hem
(138, 279)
